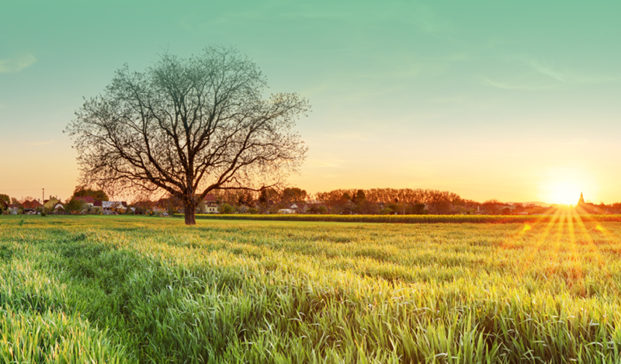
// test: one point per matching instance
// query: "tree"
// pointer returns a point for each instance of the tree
(360, 196)
(226, 208)
(267, 198)
(75, 206)
(97, 195)
(291, 195)
(188, 127)
(5, 201)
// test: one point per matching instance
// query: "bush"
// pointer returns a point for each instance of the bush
(75, 206)
(318, 209)
(386, 211)
(225, 208)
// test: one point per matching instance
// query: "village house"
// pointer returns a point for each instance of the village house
(98, 207)
(293, 209)
(32, 207)
(286, 211)
(59, 209)
(14, 209)
(114, 207)
(211, 205)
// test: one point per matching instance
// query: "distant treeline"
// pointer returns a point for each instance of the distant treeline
(380, 201)
(293, 200)
(385, 201)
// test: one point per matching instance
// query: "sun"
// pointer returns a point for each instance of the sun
(563, 192)
(564, 186)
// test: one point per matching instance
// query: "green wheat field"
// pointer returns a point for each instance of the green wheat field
(139, 289)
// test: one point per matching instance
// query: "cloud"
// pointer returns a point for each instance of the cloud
(566, 75)
(532, 73)
(546, 70)
(504, 85)
(16, 64)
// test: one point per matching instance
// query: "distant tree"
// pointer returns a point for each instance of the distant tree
(416, 208)
(492, 207)
(5, 201)
(140, 210)
(318, 209)
(359, 196)
(75, 206)
(97, 195)
(171, 204)
(188, 127)
(387, 211)
(225, 208)
(143, 206)
(235, 197)
(267, 198)
(292, 195)
(245, 198)
(615, 208)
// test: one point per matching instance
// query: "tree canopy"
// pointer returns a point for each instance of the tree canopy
(188, 127)
(97, 195)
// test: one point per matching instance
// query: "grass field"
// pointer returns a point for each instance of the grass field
(136, 289)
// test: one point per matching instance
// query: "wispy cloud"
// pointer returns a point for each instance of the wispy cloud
(505, 85)
(545, 69)
(16, 64)
(531, 73)
(567, 75)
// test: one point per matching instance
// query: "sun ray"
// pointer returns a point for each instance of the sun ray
(527, 260)
(576, 261)
(559, 231)
(532, 225)
(598, 226)
(587, 237)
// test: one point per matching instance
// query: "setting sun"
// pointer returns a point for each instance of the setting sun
(563, 192)
(564, 186)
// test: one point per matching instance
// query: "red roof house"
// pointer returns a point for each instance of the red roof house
(31, 205)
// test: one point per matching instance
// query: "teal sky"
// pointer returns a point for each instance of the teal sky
(489, 99)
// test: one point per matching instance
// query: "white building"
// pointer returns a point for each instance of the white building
(113, 207)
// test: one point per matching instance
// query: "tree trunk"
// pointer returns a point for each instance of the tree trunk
(190, 212)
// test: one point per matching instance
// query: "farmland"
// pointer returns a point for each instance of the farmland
(139, 289)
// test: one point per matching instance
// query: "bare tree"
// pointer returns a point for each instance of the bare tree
(187, 127)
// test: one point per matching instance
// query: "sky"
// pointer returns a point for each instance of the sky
(507, 100)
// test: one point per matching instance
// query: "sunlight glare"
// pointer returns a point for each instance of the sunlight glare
(564, 192)
(564, 186)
